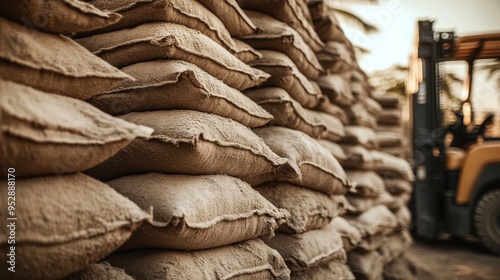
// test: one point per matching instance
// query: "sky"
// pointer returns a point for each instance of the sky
(396, 20)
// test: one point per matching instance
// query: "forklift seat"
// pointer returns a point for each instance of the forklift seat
(454, 158)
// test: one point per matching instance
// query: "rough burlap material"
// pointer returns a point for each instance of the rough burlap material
(358, 115)
(390, 117)
(309, 249)
(376, 220)
(368, 183)
(177, 84)
(334, 128)
(326, 106)
(53, 63)
(399, 201)
(358, 157)
(65, 223)
(277, 35)
(308, 209)
(328, 29)
(336, 57)
(352, 233)
(286, 111)
(403, 215)
(396, 186)
(335, 149)
(372, 106)
(197, 212)
(331, 270)
(233, 17)
(366, 265)
(362, 135)
(191, 142)
(57, 16)
(391, 166)
(389, 139)
(246, 260)
(337, 89)
(49, 134)
(188, 13)
(319, 169)
(387, 101)
(284, 74)
(100, 271)
(161, 40)
(395, 245)
(360, 204)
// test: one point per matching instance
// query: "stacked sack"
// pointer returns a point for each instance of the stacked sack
(193, 173)
(60, 221)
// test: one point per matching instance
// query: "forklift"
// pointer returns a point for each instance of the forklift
(457, 187)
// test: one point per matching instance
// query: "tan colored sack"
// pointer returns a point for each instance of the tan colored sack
(197, 212)
(318, 9)
(334, 127)
(284, 74)
(177, 84)
(351, 232)
(371, 242)
(286, 111)
(359, 116)
(309, 209)
(395, 245)
(336, 57)
(362, 135)
(390, 128)
(309, 249)
(291, 13)
(368, 183)
(188, 13)
(278, 36)
(326, 106)
(360, 204)
(53, 63)
(372, 106)
(358, 157)
(233, 17)
(191, 142)
(389, 139)
(387, 101)
(64, 223)
(366, 265)
(57, 16)
(100, 271)
(390, 117)
(399, 201)
(359, 90)
(396, 186)
(403, 215)
(331, 270)
(320, 170)
(390, 166)
(45, 134)
(161, 40)
(246, 261)
(400, 152)
(335, 149)
(337, 89)
(328, 29)
(377, 220)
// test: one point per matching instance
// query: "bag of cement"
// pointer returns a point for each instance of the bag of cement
(326, 106)
(401, 152)
(387, 101)
(188, 13)
(368, 183)
(284, 74)
(337, 89)
(197, 212)
(376, 220)
(331, 270)
(403, 215)
(277, 35)
(390, 117)
(358, 157)
(177, 84)
(308, 209)
(366, 265)
(100, 271)
(45, 133)
(309, 249)
(53, 63)
(360, 204)
(336, 58)
(286, 111)
(328, 29)
(399, 201)
(359, 116)
(396, 186)
(57, 16)
(334, 127)
(390, 128)
(395, 245)
(389, 139)
(362, 135)
(390, 166)
(371, 242)
(64, 223)
(161, 40)
(372, 106)
(352, 233)
(359, 90)
(191, 142)
(335, 149)
(319, 169)
(246, 260)
(233, 17)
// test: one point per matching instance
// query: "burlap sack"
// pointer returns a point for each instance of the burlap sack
(64, 223)
(390, 117)
(177, 84)
(389, 138)
(359, 90)
(284, 74)
(366, 265)
(286, 111)
(53, 63)
(337, 89)
(336, 57)
(160, 40)
(331, 270)
(334, 127)
(320, 170)
(277, 35)
(97, 271)
(188, 13)
(309, 249)
(362, 135)
(57, 16)
(233, 17)
(328, 29)
(191, 142)
(335, 149)
(360, 204)
(368, 183)
(395, 245)
(326, 106)
(318, 9)
(308, 209)
(390, 166)
(358, 157)
(246, 261)
(182, 219)
(372, 106)
(371, 242)
(396, 186)
(45, 134)
(399, 201)
(377, 220)
(359, 116)
(401, 152)
(389, 128)
(403, 215)
(351, 232)
(387, 101)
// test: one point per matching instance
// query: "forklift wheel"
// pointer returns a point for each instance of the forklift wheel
(487, 220)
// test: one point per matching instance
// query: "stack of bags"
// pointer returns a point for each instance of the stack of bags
(60, 221)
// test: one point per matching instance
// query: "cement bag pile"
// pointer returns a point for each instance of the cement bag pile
(193, 173)
(60, 221)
